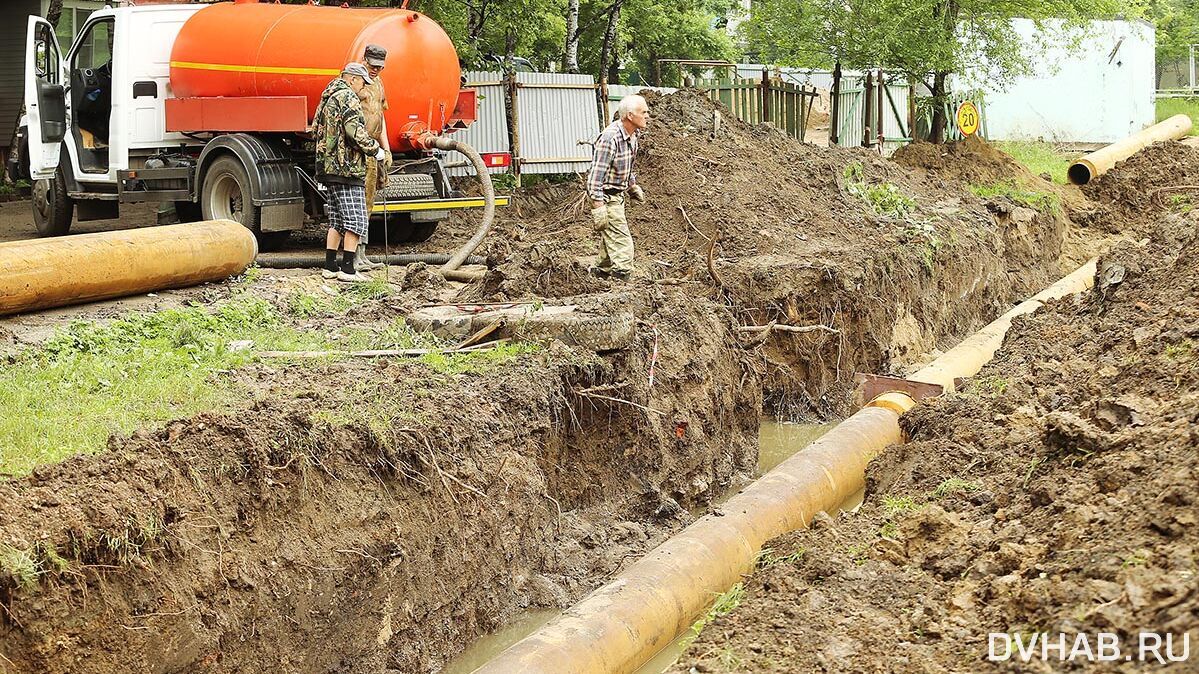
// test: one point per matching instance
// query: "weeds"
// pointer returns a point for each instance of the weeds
(20, 565)
(1041, 201)
(770, 557)
(884, 199)
(898, 505)
(989, 386)
(1168, 107)
(724, 604)
(1038, 157)
(953, 485)
(859, 553)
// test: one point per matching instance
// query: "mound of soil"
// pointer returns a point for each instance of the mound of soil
(1057, 494)
(1128, 188)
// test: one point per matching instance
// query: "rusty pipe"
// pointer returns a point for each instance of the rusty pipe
(622, 625)
(1095, 164)
(969, 356)
(44, 273)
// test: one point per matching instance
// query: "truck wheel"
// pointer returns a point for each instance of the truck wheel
(52, 208)
(189, 211)
(226, 194)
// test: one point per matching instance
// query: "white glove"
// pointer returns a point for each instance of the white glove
(381, 154)
(637, 193)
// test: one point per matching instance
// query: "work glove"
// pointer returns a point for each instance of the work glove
(637, 193)
(599, 217)
(381, 154)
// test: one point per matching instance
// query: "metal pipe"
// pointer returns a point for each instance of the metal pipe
(44, 273)
(443, 143)
(313, 262)
(622, 625)
(1095, 164)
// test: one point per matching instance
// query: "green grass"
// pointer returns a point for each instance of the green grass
(1168, 107)
(1041, 201)
(884, 199)
(724, 604)
(91, 380)
(1038, 157)
(954, 485)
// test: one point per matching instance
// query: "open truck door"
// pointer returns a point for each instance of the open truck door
(45, 98)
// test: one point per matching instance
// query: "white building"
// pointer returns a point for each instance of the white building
(1097, 93)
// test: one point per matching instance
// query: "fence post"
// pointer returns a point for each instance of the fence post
(912, 109)
(833, 127)
(867, 103)
(513, 124)
(878, 120)
(765, 95)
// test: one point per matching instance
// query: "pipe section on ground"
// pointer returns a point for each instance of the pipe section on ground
(620, 626)
(44, 273)
(1095, 164)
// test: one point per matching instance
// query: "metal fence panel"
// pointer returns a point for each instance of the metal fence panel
(557, 119)
(489, 133)
(895, 118)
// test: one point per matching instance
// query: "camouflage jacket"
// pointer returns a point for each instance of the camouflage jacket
(342, 143)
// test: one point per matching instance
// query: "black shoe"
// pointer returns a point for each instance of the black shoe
(598, 273)
(621, 275)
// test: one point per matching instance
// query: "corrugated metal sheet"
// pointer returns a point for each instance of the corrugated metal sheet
(490, 132)
(555, 111)
(558, 118)
(895, 119)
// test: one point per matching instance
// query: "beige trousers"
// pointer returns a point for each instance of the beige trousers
(615, 241)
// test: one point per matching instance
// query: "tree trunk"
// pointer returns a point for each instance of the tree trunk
(476, 20)
(570, 58)
(54, 12)
(937, 131)
(601, 92)
(510, 101)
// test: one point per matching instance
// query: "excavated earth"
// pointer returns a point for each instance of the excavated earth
(1058, 493)
(374, 515)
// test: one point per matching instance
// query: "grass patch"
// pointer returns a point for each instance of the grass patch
(1168, 107)
(91, 380)
(1041, 201)
(989, 387)
(769, 557)
(1038, 157)
(897, 505)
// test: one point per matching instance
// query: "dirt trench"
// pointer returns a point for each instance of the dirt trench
(1056, 494)
(289, 535)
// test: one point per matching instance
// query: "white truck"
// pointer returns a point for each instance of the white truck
(95, 136)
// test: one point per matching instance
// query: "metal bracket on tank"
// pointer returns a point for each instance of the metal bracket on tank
(871, 386)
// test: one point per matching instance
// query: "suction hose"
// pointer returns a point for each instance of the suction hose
(444, 143)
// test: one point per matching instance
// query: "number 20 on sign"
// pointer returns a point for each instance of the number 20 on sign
(968, 118)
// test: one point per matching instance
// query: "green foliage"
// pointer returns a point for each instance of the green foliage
(1176, 28)
(897, 505)
(1038, 157)
(884, 199)
(723, 605)
(769, 557)
(19, 565)
(1041, 201)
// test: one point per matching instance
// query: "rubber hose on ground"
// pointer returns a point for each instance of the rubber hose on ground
(469, 247)
(312, 262)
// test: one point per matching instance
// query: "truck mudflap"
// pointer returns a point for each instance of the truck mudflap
(274, 180)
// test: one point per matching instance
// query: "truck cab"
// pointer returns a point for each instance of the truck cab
(96, 109)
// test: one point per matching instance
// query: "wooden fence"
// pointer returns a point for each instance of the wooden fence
(769, 100)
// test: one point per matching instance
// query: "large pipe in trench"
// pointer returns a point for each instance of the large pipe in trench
(44, 273)
(1095, 164)
(620, 626)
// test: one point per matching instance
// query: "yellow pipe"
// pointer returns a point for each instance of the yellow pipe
(44, 273)
(626, 622)
(622, 625)
(969, 356)
(1098, 162)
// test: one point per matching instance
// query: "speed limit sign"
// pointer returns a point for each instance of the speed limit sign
(968, 118)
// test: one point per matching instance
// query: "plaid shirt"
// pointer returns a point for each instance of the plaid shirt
(612, 163)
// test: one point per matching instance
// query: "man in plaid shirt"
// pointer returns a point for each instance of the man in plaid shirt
(610, 177)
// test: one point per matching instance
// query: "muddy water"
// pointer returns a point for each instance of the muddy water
(776, 442)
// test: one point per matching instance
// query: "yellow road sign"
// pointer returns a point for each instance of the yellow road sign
(968, 118)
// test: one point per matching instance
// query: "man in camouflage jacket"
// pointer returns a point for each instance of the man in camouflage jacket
(342, 145)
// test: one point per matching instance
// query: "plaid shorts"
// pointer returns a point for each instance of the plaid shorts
(347, 208)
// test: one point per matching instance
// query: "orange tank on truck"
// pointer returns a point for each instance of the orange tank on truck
(283, 56)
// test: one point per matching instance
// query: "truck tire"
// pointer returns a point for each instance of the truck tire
(53, 210)
(408, 186)
(421, 231)
(225, 195)
(189, 211)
